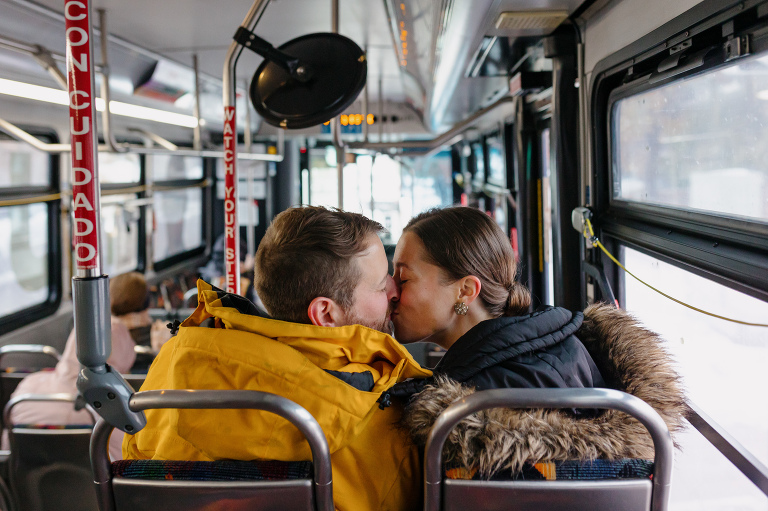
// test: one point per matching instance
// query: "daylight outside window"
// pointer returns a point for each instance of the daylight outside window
(723, 368)
(697, 144)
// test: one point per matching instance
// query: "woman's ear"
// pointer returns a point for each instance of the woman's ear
(323, 311)
(469, 288)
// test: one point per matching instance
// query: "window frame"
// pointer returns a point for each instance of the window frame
(729, 250)
(50, 305)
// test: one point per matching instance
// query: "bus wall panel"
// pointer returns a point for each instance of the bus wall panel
(623, 22)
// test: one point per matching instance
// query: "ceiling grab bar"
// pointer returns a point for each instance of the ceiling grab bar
(197, 141)
(439, 141)
(19, 134)
(154, 137)
(106, 115)
(104, 389)
(48, 60)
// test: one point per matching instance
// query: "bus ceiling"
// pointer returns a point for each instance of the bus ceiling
(438, 62)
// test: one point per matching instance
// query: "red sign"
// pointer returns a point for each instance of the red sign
(85, 189)
(231, 229)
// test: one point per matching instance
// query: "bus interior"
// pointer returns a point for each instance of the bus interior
(603, 136)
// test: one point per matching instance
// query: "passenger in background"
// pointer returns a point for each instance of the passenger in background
(456, 272)
(322, 274)
(129, 301)
(214, 273)
(63, 379)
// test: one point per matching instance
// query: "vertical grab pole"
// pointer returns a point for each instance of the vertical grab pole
(335, 124)
(102, 388)
(231, 227)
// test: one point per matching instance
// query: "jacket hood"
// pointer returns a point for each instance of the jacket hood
(493, 342)
(243, 351)
(630, 357)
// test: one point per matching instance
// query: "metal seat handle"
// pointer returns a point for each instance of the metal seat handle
(549, 398)
(232, 399)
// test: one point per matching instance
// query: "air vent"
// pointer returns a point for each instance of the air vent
(536, 22)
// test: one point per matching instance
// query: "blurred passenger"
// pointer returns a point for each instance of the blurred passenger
(63, 379)
(213, 272)
(323, 276)
(129, 300)
(456, 272)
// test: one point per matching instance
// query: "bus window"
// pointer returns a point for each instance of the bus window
(178, 222)
(119, 168)
(697, 144)
(389, 191)
(723, 366)
(22, 165)
(23, 257)
(168, 167)
(177, 207)
(120, 234)
(29, 250)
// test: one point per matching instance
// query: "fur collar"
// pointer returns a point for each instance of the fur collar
(631, 359)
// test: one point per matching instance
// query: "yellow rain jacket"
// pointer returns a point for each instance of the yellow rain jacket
(374, 464)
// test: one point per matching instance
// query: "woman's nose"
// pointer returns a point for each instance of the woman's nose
(393, 292)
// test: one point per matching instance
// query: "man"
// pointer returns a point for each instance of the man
(321, 275)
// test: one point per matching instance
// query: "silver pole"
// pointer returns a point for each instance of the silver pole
(231, 224)
(335, 128)
(365, 111)
(197, 144)
(106, 115)
(381, 112)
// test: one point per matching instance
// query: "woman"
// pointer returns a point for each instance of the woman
(456, 272)
(129, 302)
(63, 379)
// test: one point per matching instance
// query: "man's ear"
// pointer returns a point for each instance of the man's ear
(323, 311)
(469, 288)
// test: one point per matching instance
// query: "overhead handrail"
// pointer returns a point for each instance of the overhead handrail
(154, 137)
(441, 140)
(106, 115)
(48, 60)
(197, 140)
(20, 135)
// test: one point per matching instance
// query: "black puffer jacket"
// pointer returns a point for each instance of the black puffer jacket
(538, 350)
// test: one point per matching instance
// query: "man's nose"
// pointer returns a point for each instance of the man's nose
(393, 292)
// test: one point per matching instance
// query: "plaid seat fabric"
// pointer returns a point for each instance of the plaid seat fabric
(222, 470)
(568, 470)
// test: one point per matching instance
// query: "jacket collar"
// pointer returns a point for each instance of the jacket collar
(351, 348)
(493, 341)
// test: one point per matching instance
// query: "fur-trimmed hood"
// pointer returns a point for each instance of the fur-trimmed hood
(630, 358)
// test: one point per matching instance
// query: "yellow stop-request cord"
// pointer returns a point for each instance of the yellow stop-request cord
(595, 241)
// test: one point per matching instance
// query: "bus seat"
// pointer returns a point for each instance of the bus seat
(49, 466)
(10, 377)
(579, 486)
(224, 484)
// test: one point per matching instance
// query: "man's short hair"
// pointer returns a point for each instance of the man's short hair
(309, 252)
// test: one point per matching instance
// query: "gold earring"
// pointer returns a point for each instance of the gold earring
(460, 308)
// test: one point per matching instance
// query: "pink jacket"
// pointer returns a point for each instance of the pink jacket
(64, 379)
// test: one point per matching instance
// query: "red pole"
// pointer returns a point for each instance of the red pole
(231, 227)
(85, 179)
